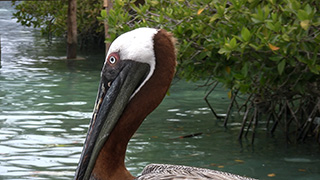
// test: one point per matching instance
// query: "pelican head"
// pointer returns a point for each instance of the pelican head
(135, 77)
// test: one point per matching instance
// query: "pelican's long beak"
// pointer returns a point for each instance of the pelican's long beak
(113, 95)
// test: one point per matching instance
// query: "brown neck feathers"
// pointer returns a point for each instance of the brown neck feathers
(110, 163)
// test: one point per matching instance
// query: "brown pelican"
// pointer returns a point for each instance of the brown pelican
(135, 77)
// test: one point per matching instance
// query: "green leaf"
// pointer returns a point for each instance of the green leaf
(274, 17)
(281, 66)
(245, 33)
(214, 17)
(277, 26)
(275, 58)
(270, 26)
(103, 13)
(294, 5)
(285, 37)
(308, 9)
(314, 68)
(244, 69)
(255, 47)
(302, 15)
(224, 51)
(266, 11)
(233, 43)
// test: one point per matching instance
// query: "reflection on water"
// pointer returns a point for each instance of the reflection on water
(46, 104)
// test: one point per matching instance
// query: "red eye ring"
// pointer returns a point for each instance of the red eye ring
(113, 59)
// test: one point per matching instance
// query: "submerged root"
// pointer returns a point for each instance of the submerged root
(298, 117)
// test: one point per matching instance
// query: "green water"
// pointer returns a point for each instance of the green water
(46, 105)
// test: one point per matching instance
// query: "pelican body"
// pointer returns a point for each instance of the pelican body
(135, 77)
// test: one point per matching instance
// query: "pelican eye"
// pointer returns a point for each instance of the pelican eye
(112, 59)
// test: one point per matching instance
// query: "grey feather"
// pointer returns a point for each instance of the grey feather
(178, 172)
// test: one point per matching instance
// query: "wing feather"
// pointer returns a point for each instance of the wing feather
(178, 172)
